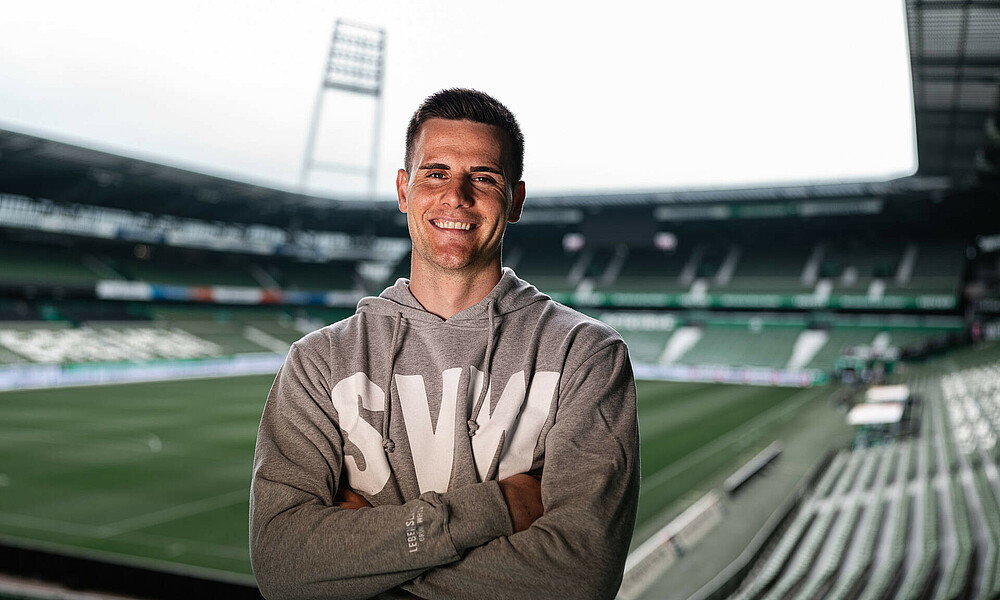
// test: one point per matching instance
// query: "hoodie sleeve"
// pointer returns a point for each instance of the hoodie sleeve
(590, 490)
(302, 546)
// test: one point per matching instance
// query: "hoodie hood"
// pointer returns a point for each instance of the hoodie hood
(511, 293)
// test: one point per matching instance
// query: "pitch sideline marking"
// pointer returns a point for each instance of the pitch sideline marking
(687, 461)
(173, 513)
(98, 532)
(184, 568)
(64, 437)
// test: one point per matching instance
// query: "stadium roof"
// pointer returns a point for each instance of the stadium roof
(44, 168)
(955, 61)
(955, 56)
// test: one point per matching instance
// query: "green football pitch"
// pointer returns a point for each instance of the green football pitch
(159, 472)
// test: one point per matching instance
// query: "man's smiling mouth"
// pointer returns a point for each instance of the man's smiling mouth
(446, 224)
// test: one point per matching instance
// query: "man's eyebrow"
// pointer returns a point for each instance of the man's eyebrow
(486, 169)
(444, 167)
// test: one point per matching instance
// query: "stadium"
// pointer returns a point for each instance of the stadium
(818, 367)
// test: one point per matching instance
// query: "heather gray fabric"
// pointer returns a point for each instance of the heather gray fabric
(559, 402)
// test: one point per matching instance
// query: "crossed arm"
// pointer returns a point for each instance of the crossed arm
(565, 535)
(522, 493)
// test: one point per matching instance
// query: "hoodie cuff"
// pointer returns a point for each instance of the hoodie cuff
(477, 514)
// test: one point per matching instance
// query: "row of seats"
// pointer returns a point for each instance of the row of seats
(100, 344)
(41, 263)
(897, 521)
(59, 342)
(733, 268)
(766, 346)
(726, 268)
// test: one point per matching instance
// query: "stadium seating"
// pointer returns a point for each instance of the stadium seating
(331, 275)
(850, 265)
(36, 263)
(758, 341)
(937, 269)
(892, 549)
(168, 332)
(776, 269)
(650, 270)
(852, 537)
(105, 343)
(547, 265)
(742, 346)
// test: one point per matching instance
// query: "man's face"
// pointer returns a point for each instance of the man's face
(457, 197)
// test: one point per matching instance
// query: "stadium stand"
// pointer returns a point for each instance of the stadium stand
(930, 519)
(772, 269)
(742, 346)
(649, 269)
(549, 266)
(37, 263)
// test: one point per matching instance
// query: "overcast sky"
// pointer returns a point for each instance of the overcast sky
(630, 96)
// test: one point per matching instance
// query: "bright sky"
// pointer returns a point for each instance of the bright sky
(640, 96)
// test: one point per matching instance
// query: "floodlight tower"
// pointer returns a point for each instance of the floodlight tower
(355, 64)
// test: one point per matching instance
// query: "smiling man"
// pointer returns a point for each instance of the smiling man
(462, 435)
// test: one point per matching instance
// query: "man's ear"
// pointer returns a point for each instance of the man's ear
(517, 204)
(402, 180)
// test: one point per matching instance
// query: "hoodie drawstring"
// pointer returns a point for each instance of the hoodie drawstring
(387, 443)
(473, 425)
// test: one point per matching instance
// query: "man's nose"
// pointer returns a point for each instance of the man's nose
(458, 193)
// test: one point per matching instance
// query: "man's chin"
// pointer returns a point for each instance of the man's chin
(456, 263)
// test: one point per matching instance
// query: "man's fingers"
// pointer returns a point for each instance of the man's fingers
(348, 498)
(523, 494)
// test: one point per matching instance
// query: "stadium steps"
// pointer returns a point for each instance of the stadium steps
(859, 558)
(808, 343)
(912, 463)
(826, 483)
(286, 332)
(858, 561)
(228, 336)
(816, 551)
(847, 478)
(645, 347)
(990, 587)
(832, 553)
(838, 341)
(920, 576)
(648, 269)
(682, 340)
(955, 573)
(804, 556)
(776, 269)
(791, 539)
(615, 266)
(878, 464)
(892, 547)
(740, 345)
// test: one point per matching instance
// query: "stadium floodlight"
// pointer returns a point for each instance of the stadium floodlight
(355, 64)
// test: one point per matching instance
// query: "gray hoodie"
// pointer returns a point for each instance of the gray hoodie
(515, 384)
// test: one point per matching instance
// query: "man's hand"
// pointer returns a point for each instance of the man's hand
(347, 498)
(523, 494)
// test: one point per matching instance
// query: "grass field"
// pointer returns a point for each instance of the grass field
(160, 471)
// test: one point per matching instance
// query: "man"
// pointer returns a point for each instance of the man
(461, 436)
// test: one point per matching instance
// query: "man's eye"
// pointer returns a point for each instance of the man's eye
(484, 179)
(434, 175)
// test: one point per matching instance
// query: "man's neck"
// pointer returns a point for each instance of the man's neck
(447, 294)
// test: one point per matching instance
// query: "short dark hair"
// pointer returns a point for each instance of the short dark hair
(458, 104)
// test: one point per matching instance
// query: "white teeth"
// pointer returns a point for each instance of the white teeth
(452, 224)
